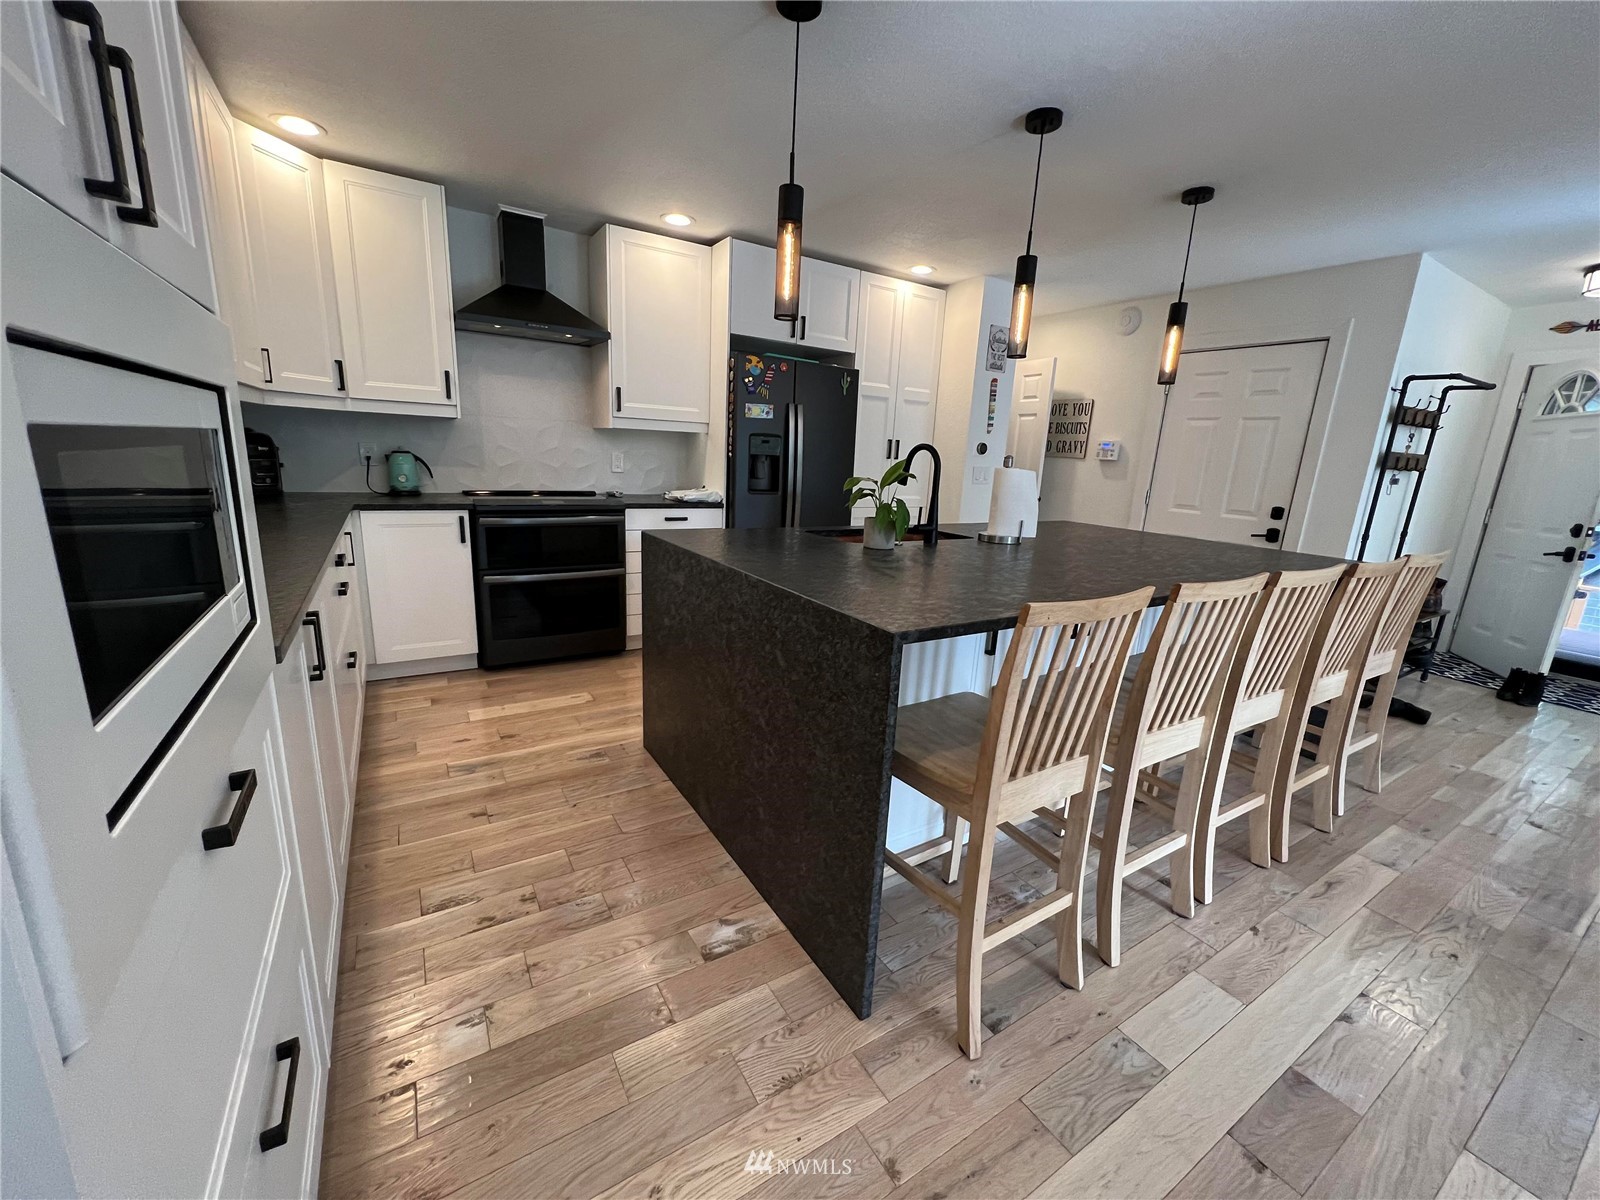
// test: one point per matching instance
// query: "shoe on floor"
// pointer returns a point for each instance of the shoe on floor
(1532, 693)
(1512, 687)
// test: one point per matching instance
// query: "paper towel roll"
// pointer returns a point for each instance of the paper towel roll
(1014, 502)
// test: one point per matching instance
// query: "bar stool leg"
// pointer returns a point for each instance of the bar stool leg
(1113, 853)
(1186, 820)
(1377, 718)
(955, 829)
(1069, 874)
(969, 944)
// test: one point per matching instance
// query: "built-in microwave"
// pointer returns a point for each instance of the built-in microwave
(141, 504)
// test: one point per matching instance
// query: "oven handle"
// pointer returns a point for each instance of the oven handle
(551, 576)
(592, 519)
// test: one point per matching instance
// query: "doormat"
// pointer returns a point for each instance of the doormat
(1568, 693)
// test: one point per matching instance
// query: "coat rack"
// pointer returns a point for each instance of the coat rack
(1422, 415)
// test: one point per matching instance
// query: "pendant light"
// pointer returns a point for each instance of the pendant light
(791, 196)
(1038, 122)
(1591, 282)
(1172, 342)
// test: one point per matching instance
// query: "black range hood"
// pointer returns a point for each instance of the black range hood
(520, 306)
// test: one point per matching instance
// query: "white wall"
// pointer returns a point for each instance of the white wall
(525, 419)
(961, 415)
(1451, 326)
(1360, 308)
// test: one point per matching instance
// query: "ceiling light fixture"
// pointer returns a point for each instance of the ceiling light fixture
(679, 219)
(791, 196)
(1172, 341)
(1591, 282)
(299, 126)
(921, 269)
(1038, 122)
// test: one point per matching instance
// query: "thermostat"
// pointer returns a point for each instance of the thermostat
(1108, 451)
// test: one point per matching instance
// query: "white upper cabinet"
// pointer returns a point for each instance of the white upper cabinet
(654, 294)
(286, 230)
(392, 277)
(830, 299)
(418, 584)
(96, 120)
(217, 150)
(897, 352)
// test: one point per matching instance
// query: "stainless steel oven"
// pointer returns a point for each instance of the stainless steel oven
(550, 584)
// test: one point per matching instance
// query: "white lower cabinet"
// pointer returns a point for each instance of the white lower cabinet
(418, 583)
(636, 521)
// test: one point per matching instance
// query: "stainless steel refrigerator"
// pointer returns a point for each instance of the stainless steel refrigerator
(791, 442)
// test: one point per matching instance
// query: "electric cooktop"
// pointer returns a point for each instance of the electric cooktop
(548, 492)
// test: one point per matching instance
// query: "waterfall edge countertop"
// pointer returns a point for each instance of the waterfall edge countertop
(966, 586)
(297, 532)
(773, 672)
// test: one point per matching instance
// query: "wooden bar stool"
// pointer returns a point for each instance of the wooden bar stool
(1032, 748)
(1170, 713)
(1388, 655)
(1341, 643)
(1274, 647)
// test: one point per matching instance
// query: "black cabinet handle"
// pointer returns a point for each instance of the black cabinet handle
(351, 539)
(619, 400)
(802, 327)
(344, 589)
(338, 375)
(447, 385)
(218, 837)
(143, 213)
(463, 526)
(266, 365)
(1271, 536)
(350, 660)
(277, 1135)
(82, 13)
(677, 518)
(319, 669)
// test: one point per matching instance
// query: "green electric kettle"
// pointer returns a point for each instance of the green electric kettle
(404, 479)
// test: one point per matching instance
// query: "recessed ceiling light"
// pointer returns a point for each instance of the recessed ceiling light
(922, 269)
(297, 125)
(677, 218)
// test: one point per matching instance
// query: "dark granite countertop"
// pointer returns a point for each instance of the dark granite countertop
(298, 531)
(967, 586)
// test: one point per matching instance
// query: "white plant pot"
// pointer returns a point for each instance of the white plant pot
(874, 536)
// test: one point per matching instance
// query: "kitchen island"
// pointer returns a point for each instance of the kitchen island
(775, 660)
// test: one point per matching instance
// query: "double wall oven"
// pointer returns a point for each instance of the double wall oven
(550, 583)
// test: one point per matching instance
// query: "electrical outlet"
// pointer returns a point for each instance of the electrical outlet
(366, 452)
(616, 462)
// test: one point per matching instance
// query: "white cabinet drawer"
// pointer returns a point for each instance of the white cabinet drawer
(672, 518)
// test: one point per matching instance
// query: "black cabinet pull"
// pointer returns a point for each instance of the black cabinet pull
(338, 376)
(351, 538)
(463, 527)
(802, 327)
(277, 1135)
(143, 213)
(266, 365)
(344, 589)
(319, 669)
(218, 837)
(447, 385)
(1271, 536)
(350, 660)
(677, 518)
(82, 13)
(619, 400)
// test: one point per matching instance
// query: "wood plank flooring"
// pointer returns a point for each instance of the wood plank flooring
(554, 983)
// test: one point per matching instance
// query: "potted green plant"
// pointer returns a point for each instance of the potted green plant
(889, 519)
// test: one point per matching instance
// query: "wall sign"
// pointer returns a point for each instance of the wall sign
(999, 337)
(1069, 429)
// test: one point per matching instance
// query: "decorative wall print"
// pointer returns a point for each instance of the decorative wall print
(994, 402)
(1069, 429)
(997, 348)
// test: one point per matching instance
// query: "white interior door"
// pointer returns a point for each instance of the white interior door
(1232, 440)
(1549, 486)
(1030, 413)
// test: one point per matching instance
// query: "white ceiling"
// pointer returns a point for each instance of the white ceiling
(1333, 132)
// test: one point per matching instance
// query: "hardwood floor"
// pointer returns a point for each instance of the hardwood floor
(556, 984)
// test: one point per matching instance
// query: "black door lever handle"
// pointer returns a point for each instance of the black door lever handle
(1271, 536)
(1570, 554)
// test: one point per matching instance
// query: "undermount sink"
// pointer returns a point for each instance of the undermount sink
(852, 533)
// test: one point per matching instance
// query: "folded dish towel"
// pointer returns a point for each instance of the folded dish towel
(699, 495)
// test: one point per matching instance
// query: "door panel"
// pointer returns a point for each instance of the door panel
(875, 360)
(1520, 587)
(1232, 440)
(1030, 413)
(829, 294)
(419, 585)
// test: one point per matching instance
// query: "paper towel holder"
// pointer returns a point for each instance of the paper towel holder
(1003, 539)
